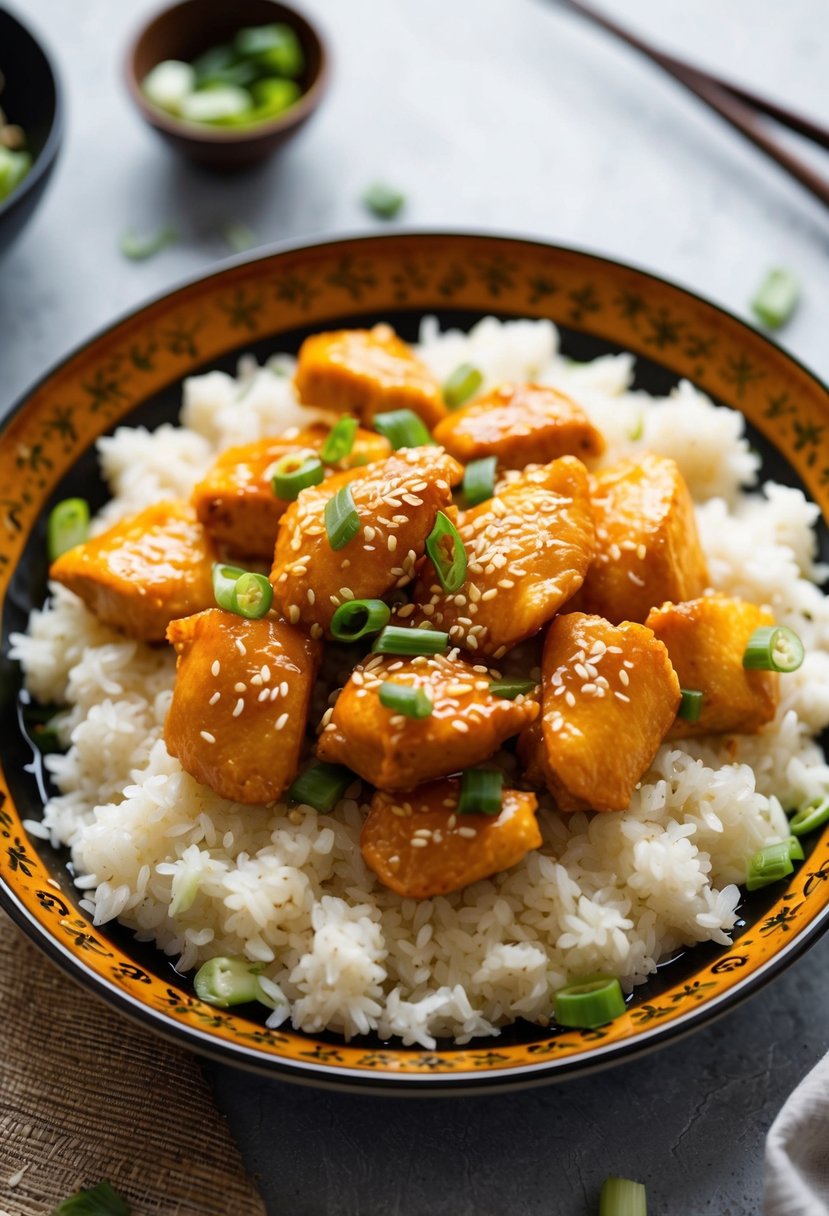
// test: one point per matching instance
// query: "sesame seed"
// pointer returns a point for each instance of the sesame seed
(469, 833)
(239, 686)
(266, 673)
(280, 721)
(425, 832)
(452, 821)
(417, 842)
(256, 681)
(263, 696)
(311, 595)
(641, 552)
(206, 735)
(293, 613)
(216, 697)
(624, 678)
(316, 630)
(240, 646)
(621, 696)
(391, 542)
(460, 726)
(569, 698)
(216, 668)
(346, 593)
(274, 693)
(238, 707)
(368, 532)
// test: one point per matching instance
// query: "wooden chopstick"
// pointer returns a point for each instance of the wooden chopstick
(737, 105)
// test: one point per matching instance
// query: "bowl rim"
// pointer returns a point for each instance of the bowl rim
(203, 133)
(46, 157)
(595, 1057)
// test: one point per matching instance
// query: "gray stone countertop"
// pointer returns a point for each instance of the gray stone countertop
(507, 115)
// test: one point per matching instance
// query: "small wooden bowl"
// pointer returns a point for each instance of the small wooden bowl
(189, 28)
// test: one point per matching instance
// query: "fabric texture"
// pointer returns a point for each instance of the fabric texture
(85, 1095)
(797, 1151)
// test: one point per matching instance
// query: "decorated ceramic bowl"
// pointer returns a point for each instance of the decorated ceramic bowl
(132, 374)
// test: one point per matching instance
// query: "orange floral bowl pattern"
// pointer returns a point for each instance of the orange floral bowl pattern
(133, 371)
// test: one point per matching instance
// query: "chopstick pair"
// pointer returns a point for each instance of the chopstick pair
(737, 105)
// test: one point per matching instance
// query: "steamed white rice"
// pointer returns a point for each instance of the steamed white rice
(288, 888)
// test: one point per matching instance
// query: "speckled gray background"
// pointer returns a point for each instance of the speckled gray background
(505, 115)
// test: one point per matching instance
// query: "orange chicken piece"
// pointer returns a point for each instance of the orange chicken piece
(396, 500)
(521, 424)
(235, 501)
(468, 723)
(647, 545)
(528, 550)
(420, 847)
(143, 572)
(706, 639)
(366, 372)
(240, 702)
(609, 696)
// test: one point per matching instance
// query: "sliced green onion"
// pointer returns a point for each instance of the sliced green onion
(403, 699)
(402, 428)
(461, 385)
(810, 815)
(510, 689)
(591, 1002)
(449, 567)
(621, 1197)
(769, 865)
(295, 472)
(479, 480)
(339, 441)
(776, 298)
(240, 237)
(224, 584)
(396, 640)
(636, 432)
(321, 786)
(227, 981)
(690, 705)
(275, 47)
(139, 248)
(480, 792)
(356, 618)
(68, 526)
(383, 201)
(773, 648)
(100, 1200)
(342, 523)
(252, 596)
(795, 849)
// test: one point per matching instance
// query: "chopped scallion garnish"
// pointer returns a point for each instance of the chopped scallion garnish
(773, 648)
(252, 596)
(479, 480)
(481, 791)
(240, 237)
(100, 1200)
(589, 1003)
(321, 786)
(622, 1197)
(295, 472)
(461, 385)
(810, 815)
(795, 849)
(397, 640)
(227, 981)
(402, 428)
(356, 619)
(339, 441)
(224, 583)
(383, 201)
(769, 865)
(690, 705)
(447, 554)
(68, 526)
(138, 248)
(342, 523)
(637, 431)
(776, 298)
(406, 700)
(510, 689)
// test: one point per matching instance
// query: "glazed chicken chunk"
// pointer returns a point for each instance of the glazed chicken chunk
(706, 639)
(468, 723)
(236, 501)
(420, 846)
(528, 550)
(240, 703)
(648, 549)
(143, 572)
(520, 424)
(609, 697)
(396, 501)
(366, 372)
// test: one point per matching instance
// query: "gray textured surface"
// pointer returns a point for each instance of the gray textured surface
(509, 116)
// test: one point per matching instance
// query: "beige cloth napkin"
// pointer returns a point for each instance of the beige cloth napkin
(797, 1150)
(87, 1095)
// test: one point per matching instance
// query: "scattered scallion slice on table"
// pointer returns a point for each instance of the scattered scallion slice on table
(100, 1200)
(510, 689)
(139, 248)
(769, 865)
(224, 583)
(810, 815)
(240, 237)
(479, 480)
(227, 981)
(383, 201)
(773, 648)
(776, 298)
(623, 1197)
(252, 596)
(68, 525)
(321, 786)
(690, 705)
(447, 554)
(589, 1003)
(396, 640)
(342, 523)
(294, 473)
(339, 441)
(463, 383)
(480, 792)
(402, 428)
(356, 619)
(406, 700)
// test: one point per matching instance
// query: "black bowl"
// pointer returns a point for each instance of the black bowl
(31, 98)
